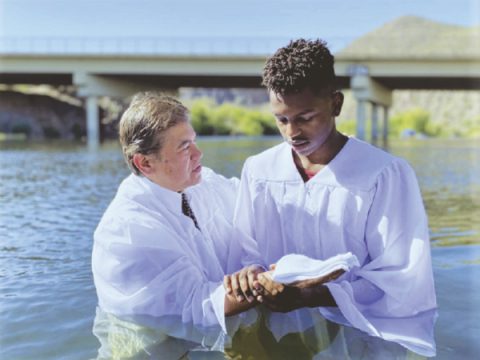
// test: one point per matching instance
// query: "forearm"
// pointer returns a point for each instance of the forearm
(234, 307)
(316, 296)
(292, 298)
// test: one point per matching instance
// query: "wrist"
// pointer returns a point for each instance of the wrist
(317, 296)
(307, 297)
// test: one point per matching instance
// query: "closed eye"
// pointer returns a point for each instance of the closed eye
(299, 119)
(304, 118)
(184, 146)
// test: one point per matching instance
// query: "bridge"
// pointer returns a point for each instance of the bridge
(372, 67)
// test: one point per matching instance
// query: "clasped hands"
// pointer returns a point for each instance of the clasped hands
(255, 284)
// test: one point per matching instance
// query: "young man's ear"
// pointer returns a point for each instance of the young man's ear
(142, 162)
(337, 102)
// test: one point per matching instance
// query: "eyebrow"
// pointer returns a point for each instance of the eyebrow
(186, 141)
(183, 143)
(304, 112)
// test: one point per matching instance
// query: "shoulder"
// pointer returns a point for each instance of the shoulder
(273, 164)
(360, 165)
(265, 157)
(216, 190)
(211, 177)
(129, 208)
(212, 182)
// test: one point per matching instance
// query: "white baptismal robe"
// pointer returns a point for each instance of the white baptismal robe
(365, 201)
(152, 266)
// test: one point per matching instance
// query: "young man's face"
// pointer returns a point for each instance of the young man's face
(177, 165)
(304, 119)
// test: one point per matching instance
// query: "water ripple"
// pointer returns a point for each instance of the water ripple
(50, 210)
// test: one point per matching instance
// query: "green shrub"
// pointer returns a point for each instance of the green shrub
(225, 119)
(469, 128)
(200, 113)
(267, 121)
(348, 127)
(415, 119)
(230, 119)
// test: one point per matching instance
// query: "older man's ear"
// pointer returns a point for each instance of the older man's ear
(143, 164)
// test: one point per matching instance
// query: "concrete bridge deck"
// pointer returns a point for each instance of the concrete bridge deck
(121, 67)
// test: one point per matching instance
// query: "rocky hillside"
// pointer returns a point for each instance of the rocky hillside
(46, 113)
(444, 107)
(40, 116)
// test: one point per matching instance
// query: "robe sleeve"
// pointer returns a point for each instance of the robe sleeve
(240, 248)
(243, 221)
(143, 274)
(243, 216)
(392, 295)
(222, 192)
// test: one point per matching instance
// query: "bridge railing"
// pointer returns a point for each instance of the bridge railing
(144, 46)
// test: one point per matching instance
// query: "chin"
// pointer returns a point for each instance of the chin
(304, 152)
(196, 179)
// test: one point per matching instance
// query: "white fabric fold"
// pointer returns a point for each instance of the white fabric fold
(297, 267)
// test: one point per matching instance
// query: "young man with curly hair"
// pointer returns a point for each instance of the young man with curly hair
(321, 193)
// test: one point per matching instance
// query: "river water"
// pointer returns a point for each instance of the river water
(53, 194)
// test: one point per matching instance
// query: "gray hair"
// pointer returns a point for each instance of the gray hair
(147, 117)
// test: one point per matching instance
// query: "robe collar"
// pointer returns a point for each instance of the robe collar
(159, 196)
(327, 175)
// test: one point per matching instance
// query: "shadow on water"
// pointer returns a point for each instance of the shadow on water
(53, 195)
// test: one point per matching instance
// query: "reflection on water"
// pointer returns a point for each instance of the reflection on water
(53, 195)
(449, 175)
(323, 340)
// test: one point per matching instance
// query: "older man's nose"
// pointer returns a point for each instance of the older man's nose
(196, 152)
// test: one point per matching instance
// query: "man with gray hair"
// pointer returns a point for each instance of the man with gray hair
(165, 242)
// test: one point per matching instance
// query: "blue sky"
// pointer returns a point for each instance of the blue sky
(338, 21)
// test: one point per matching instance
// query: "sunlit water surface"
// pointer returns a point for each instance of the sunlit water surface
(53, 195)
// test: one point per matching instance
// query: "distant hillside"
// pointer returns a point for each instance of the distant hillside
(418, 38)
(414, 37)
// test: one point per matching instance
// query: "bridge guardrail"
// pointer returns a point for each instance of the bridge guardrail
(143, 46)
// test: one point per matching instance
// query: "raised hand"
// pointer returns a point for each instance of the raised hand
(243, 284)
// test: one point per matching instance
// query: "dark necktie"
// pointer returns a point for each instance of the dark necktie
(187, 210)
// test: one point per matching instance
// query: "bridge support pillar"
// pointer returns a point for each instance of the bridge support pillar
(385, 125)
(374, 128)
(361, 119)
(91, 86)
(367, 90)
(93, 122)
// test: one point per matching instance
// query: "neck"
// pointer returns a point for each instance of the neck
(325, 153)
(164, 184)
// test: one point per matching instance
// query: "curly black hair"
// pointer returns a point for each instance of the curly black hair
(300, 65)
